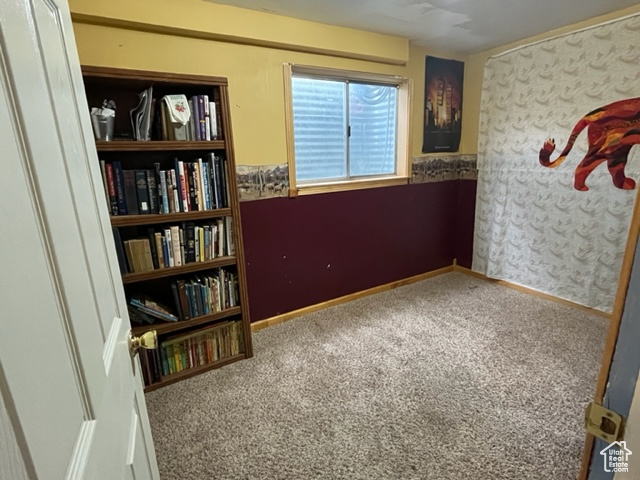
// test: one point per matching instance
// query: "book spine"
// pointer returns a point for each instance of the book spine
(206, 174)
(175, 244)
(191, 243)
(172, 207)
(130, 192)
(207, 122)
(152, 191)
(196, 186)
(163, 190)
(179, 183)
(183, 187)
(120, 192)
(165, 251)
(231, 246)
(146, 253)
(203, 186)
(184, 301)
(218, 180)
(213, 121)
(196, 117)
(157, 237)
(167, 236)
(201, 117)
(174, 192)
(156, 168)
(192, 186)
(176, 300)
(143, 195)
(221, 248)
(224, 182)
(213, 179)
(152, 247)
(111, 185)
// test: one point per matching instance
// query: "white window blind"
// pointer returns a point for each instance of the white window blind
(343, 129)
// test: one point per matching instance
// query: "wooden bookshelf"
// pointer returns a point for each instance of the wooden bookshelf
(157, 155)
(171, 327)
(158, 218)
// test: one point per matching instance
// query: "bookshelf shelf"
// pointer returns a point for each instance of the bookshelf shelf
(155, 219)
(160, 175)
(158, 145)
(173, 271)
(176, 377)
(170, 327)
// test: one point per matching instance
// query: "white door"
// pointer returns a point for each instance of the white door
(71, 401)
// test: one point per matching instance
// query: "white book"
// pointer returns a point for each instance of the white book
(213, 121)
(203, 197)
(231, 247)
(167, 236)
(221, 248)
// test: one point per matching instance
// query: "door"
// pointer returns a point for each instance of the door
(71, 401)
(621, 358)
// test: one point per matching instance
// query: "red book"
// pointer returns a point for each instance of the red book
(111, 188)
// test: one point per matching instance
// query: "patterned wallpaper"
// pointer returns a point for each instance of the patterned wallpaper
(258, 182)
(532, 227)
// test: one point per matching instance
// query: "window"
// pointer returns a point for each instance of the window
(346, 129)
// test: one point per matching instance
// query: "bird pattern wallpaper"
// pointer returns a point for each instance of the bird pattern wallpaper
(560, 230)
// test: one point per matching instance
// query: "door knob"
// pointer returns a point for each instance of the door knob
(148, 340)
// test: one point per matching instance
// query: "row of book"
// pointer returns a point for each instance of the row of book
(191, 350)
(200, 294)
(206, 293)
(174, 246)
(189, 186)
(203, 119)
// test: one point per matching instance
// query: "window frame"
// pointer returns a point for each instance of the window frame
(403, 129)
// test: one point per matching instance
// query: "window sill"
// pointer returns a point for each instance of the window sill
(342, 186)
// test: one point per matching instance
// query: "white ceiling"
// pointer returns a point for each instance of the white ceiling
(456, 26)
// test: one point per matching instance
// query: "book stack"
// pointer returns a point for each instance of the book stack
(175, 245)
(199, 348)
(206, 293)
(143, 309)
(188, 186)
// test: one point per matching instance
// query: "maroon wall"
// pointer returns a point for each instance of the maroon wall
(465, 220)
(314, 248)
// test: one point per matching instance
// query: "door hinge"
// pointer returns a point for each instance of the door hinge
(603, 423)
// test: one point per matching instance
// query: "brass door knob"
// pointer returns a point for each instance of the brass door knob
(148, 340)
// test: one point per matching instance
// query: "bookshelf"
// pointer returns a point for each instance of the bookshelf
(185, 191)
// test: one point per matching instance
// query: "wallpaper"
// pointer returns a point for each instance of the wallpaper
(532, 227)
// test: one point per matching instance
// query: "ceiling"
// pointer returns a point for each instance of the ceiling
(455, 26)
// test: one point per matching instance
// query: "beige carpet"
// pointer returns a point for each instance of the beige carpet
(449, 378)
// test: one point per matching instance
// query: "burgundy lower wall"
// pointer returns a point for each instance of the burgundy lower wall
(310, 249)
(465, 220)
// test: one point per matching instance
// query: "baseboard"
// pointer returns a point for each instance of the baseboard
(530, 291)
(269, 322)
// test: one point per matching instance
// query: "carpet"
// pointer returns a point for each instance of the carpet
(449, 378)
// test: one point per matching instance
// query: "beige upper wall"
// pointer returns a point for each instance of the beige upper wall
(474, 71)
(247, 47)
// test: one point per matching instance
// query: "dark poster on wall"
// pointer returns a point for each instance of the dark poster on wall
(442, 105)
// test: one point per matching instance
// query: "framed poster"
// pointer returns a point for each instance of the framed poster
(442, 105)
